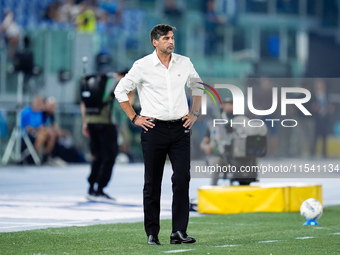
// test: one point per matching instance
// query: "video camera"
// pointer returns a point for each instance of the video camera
(249, 141)
(23, 61)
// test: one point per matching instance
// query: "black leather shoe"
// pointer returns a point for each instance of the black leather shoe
(181, 237)
(152, 239)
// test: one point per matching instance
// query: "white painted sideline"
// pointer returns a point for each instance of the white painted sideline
(178, 251)
(228, 245)
(268, 241)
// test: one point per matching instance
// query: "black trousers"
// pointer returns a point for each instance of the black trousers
(104, 149)
(172, 139)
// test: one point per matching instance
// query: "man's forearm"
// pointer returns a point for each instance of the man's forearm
(130, 112)
(131, 96)
(196, 103)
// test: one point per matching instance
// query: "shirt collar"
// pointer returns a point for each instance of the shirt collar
(156, 60)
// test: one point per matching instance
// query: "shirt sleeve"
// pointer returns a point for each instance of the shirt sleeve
(128, 83)
(194, 80)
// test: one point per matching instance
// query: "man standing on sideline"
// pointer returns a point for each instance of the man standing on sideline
(98, 126)
(160, 80)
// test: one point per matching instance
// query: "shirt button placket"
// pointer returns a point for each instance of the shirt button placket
(168, 84)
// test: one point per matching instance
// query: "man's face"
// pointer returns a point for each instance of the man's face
(38, 104)
(166, 43)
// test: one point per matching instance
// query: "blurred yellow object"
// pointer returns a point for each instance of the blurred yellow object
(86, 22)
(333, 145)
(299, 194)
(246, 199)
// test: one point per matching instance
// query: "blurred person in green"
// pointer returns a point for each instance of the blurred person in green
(86, 20)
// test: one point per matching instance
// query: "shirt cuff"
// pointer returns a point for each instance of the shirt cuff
(197, 92)
(122, 97)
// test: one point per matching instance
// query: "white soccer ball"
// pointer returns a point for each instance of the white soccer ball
(311, 209)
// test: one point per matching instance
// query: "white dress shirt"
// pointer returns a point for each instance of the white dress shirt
(161, 90)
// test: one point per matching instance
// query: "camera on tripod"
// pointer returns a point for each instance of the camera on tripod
(23, 64)
(24, 60)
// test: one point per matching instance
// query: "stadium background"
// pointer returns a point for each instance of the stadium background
(255, 38)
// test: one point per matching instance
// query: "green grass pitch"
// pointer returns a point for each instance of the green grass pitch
(251, 233)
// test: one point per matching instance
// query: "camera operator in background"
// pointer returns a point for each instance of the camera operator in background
(96, 109)
(235, 145)
(218, 140)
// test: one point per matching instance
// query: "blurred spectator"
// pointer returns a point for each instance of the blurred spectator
(102, 22)
(173, 15)
(214, 28)
(98, 12)
(86, 20)
(52, 12)
(113, 9)
(11, 32)
(64, 150)
(68, 11)
(230, 9)
(171, 9)
(33, 122)
(321, 110)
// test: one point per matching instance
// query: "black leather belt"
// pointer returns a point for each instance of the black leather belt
(165, 121)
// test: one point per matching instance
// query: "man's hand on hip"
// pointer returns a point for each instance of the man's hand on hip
(190, 119)
(144, 122)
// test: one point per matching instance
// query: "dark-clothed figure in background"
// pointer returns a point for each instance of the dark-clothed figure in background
(321, 109)
(160, 80)
(103, 145)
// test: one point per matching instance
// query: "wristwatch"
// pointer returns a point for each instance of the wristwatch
(196, 113)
